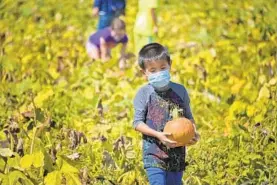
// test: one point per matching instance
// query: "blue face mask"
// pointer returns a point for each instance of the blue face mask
(160, 79)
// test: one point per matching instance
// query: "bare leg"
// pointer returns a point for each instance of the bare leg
(93, 51)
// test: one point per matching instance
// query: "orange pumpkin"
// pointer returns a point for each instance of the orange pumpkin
(181, 129)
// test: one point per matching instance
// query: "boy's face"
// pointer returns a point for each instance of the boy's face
(155, 66)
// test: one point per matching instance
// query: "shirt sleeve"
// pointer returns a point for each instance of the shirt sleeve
(140, 107)
(124, 40)
(106, 35)
(187, 110)
(97, 3)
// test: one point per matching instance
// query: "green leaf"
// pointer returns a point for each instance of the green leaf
(48, 162)
(242, 127)
(67, 168)
(2, 164)
(130, 154)
(88, 92)
(259, 118)
(53, 178)
(43, 95)
(14, 176)
(273, 81)
(72, 179)
(3, 177)
(14, 162)
(264, 93)
(6, 152)
(26, 161)
(94, 102)
(38, 159)
(251, 110)
(236, 108)
(40, 115)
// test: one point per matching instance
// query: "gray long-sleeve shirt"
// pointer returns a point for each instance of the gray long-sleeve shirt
(155, 109)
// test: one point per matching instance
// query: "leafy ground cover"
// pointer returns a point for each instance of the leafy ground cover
(66, 120)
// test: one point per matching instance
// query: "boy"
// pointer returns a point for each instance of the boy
(99, 44)
(107, 11)
(146, 23)
(154, 103)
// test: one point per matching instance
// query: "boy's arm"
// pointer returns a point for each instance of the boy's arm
(123, 51)
(196, 137)
(187, 109)
(140, 106)
(146, 130)
(103, 49)
(162, 136)
(188, 115)
(122, 59)
(154, 19)
(153, 5)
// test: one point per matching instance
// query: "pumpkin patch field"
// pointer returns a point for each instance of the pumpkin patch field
(65, 120)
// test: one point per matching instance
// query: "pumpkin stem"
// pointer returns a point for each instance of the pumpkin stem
(175, 113)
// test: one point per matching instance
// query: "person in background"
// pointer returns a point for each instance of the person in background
(99, 44)
(107, 10)
(146, 23)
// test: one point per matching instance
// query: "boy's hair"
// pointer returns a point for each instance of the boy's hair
(118, 24)
(153, 51)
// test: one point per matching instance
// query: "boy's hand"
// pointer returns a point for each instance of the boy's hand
(106, 58)
(122, 63)
(95, 11)
(155, 30)
(194, 140)
(162, 136)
